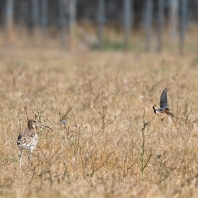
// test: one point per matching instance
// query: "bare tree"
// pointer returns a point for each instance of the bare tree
(173, 17)
(72, 23)
(149, 18)
(35, 15)
(9, 20)
(62, 22)
(101, 21)
(127, 22)
(182, 24)
(44, 17)
(160, 24)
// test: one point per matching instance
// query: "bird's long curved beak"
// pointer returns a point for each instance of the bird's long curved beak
(46, 126)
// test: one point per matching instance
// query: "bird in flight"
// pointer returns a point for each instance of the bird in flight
(164, 105)
(28, 139)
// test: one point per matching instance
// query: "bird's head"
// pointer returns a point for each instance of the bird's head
(33, 124)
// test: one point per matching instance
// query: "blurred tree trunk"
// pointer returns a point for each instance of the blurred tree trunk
(62, 23)
(35, 16)
(173, 17)
(101, 22)
(9, 21)
(160, 23)
(149, 18)
(23, 9)
(182, 24)
(44, 17)
(72, 24)
(127, 22)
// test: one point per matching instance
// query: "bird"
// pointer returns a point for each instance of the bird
(164, 105)
(28, 139)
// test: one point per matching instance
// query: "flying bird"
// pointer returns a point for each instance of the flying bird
(164, 105)
(28, 139)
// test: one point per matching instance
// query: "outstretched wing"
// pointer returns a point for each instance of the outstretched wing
(170, 114)
(163, 99)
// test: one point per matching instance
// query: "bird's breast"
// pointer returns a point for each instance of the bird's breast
(166, 110)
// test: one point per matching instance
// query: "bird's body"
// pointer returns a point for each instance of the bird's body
(28, 139)
(164, 104)
(161, 110)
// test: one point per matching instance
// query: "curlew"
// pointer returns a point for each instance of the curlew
(164, 105)
(28, 139)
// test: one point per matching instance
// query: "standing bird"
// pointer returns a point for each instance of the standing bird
(164, 104)
(29, 138)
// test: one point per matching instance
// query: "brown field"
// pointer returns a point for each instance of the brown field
(106, 149)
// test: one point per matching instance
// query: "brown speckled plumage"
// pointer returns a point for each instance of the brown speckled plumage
(28, 139)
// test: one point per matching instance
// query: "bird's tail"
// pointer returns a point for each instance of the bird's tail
(154, 109)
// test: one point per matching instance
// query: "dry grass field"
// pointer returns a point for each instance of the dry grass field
(113, 145)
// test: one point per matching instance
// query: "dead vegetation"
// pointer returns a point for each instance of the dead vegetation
(111, 145)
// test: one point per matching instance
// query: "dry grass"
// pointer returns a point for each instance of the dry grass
(103, 151)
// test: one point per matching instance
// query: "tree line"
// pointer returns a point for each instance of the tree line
(64, 14)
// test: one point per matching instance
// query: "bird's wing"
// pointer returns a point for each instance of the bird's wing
(25, 137)
(19, 138)
(170, 114)
(163, 99)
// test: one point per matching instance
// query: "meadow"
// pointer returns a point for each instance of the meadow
(113, 144)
